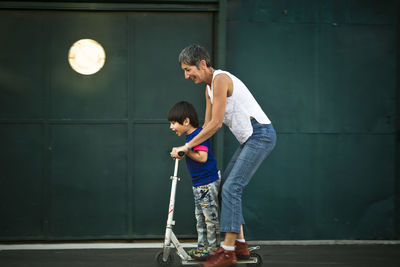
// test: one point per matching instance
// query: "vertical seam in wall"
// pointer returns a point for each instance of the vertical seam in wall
(221, 60)
(316, 152)
(396, 219)
(130, 137)
(47, 149)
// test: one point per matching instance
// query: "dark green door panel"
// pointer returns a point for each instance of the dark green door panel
(281, 72)
(99, 96)
(87, 157)
(355, 74)
(325, 73)
(88, 181)
(22, 187)
(22, 66)
(340, 78)
(161, 84)
(334, 186)
(151, 188)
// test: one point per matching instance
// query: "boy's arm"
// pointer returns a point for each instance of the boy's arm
(198, 155)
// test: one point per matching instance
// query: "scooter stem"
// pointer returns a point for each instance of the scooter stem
(170, 221)
(176, 167)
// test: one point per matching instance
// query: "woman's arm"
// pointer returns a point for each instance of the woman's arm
(220, 86)
(207, 116)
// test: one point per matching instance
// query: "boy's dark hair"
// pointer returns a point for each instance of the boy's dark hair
(182, 110)
(193, 54)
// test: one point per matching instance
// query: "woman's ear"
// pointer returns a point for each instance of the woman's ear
(203, 65)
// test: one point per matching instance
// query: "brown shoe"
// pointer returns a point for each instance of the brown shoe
(221, 258)
(242, 250)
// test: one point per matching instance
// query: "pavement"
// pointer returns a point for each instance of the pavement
(369, 255)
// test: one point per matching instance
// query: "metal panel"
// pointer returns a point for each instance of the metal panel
(22, 66)
(133, 5)
(160, 82)
(93, 139)
(278, 71)
(322, 187)
(325, 73)
(99, 96)
(314, 11)
(97, 146)
(89, 181)
(356, 74)
(151, 187)
(21, 184)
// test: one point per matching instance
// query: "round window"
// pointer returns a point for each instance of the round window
(86, 56)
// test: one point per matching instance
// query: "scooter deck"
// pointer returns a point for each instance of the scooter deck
(190, 262)
(251, 260)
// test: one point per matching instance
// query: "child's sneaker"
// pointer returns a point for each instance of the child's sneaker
(198, 254)
(192, 252)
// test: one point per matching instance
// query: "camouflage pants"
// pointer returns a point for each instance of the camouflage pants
(206, 212)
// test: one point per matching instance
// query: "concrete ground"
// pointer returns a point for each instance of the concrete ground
(273, 256)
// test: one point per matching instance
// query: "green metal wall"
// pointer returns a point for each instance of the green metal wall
(325, 73)
(87, 157)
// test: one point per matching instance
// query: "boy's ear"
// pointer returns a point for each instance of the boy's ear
(186, 122)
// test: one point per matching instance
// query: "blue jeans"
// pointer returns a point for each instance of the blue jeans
(244, 163)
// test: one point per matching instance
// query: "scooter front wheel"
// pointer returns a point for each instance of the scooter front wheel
(160, 261)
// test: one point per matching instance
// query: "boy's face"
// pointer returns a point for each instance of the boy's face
(179, 129)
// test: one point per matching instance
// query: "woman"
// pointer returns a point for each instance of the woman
(229, 101)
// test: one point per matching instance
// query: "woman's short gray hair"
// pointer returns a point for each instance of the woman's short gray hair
(193, 54)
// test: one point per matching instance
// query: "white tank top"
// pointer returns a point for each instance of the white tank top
(240, 106)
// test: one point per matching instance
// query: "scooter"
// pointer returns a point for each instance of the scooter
(166, 258)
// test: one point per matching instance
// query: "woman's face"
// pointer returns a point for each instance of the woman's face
(192, 72)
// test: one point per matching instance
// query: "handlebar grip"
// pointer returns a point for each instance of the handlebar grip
(181, 153)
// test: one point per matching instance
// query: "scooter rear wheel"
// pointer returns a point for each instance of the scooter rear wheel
(259, 259)
(161, 263)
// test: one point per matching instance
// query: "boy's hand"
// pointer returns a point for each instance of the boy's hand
(176, 150)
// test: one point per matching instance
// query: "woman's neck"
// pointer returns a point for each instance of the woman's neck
(210, 73)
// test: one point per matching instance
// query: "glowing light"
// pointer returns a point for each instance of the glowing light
(86, 56)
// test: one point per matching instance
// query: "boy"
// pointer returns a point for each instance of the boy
(205, 178)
